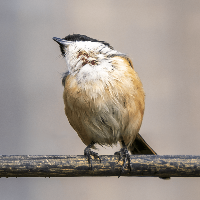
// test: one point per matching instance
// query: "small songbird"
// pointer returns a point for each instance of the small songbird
(103, 96)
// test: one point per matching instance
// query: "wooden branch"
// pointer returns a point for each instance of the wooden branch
(73, 166)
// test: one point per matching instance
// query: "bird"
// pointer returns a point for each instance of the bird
(103, 96)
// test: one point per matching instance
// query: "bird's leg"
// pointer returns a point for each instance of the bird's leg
(124, 156)
(88, 153)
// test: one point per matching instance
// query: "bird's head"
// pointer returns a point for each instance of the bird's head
(80, 50)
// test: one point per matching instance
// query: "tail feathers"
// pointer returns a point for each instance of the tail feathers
(140, 146)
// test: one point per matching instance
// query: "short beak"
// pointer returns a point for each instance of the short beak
(61, 41)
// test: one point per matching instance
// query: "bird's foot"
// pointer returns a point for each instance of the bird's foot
(124, 156)
(88, 153)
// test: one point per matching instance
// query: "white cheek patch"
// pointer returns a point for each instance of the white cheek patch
(90, 73)
(90, 62)
(85, 45)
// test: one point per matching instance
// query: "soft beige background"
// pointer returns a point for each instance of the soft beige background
(163, 40)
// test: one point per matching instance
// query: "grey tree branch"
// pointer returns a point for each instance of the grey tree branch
(73, 166)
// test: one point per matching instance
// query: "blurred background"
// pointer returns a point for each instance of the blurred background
(163, 40)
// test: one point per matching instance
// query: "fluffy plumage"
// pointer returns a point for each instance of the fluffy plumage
(103, 95)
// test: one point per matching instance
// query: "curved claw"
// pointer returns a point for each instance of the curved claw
(88, 153)
(124, 156)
